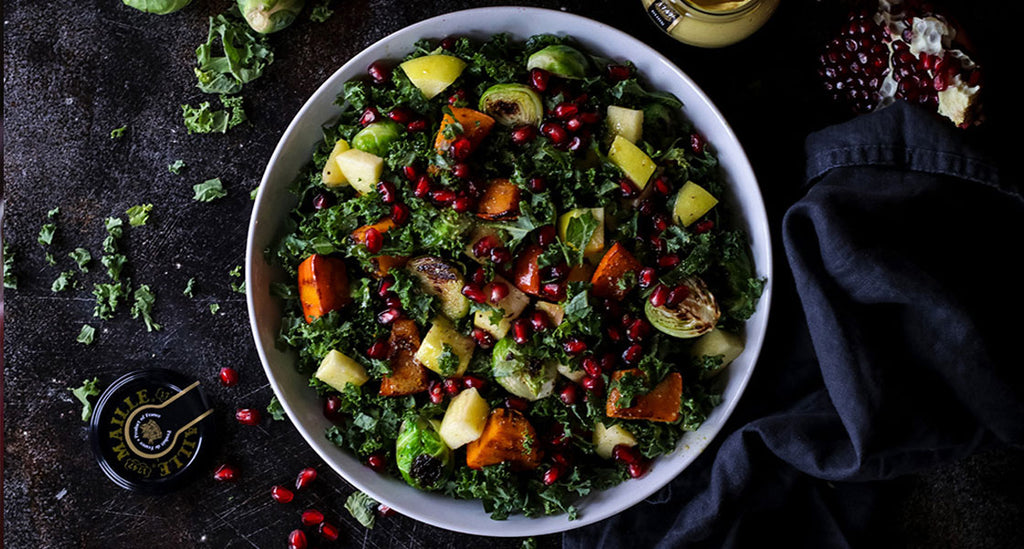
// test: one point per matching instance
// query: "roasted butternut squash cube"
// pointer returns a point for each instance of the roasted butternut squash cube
(660, 404)
(323, 286)
(407, 377)
(508, 436)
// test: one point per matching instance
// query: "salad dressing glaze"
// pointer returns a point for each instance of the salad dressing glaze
(710, 23)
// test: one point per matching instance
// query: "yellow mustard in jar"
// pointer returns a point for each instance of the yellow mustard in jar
(710, 23)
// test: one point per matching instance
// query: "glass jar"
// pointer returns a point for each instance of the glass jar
(710, 23)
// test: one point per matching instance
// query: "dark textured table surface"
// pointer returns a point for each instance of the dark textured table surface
(75, 71)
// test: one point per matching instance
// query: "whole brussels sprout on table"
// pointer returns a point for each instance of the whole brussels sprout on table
(159, 7)
(267, 16)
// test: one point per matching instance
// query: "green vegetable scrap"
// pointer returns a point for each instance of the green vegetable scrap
(82, 257)
(363, 508)
(209, 190)
(63, 281)
(144, 301)
(46, 234)
(204, 119)
(159, 7)
(321, 12)
(190, 287)
(275, 409)
(88, 389)
(118, 133)
(86, 335)
(238, 287)
(214, 307)
(108, 296)
(267, 16)
(232, 56)
(10, 279)
(138, 215)
(176, 166)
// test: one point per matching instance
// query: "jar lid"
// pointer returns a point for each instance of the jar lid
(151, 430)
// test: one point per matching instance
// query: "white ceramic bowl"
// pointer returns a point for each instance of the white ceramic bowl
(274, 201)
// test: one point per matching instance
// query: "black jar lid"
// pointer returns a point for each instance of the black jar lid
(151, 430)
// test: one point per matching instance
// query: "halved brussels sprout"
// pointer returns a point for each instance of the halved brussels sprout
(267, 16)
(521, 375)
(560, 60)
(375, 138)
(159, 7)
(442, 279)
(423, 459)
(513, 104)
(694, 316)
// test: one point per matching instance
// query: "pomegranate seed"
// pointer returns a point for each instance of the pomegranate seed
(677, 295)
(498, 291)
(574, 346)
(591, 366)
(225, 473)
(539, 79)
(524, 134)
(376, 462)
(637, 470)
(558, 271)
(228, 376)
(646, 207)
(448, 43)
(384, 510)
(462, 204)
(422, 188)
(617, 73)
(552, 474)
(373, 239)
(482, 248)
(631, 355)
(328, 531)
(500, 255)
(574, 124)
(387, 316)
(312, 517)
(659, 296)
(418, 124)
(402, 115)
(647, 277)
(554, 290)
(457, 98)
(638, 330)
(475, 294)
(248, 416)
(560, 458)
(332, 408)
(392, 301)
(378, 350)
(662, 186)
(625, 454)
(435, 391)
(400, 213)
(594, 384)
(461, 148)
(660, 245)
(482, 338)
(281, 494)
(668, 261)
(555, 132)
(370, 115)
(321, 201)
(628, 189)
(384, 287)
(516, 403)
(410, 173)
(479, 276)
(546, 235)
(577, 142)
(607, 362)
(570, 394)
(539, 321)
(297, 540)
(461, 170)
(703, 226)
(521, 330)
(697, 143)
(306, 476)
(565, 110)
(451, 385)
(538, 184)
(614, 333)
(386, 190)
(379, 72)
(590, 117)
(443, 196)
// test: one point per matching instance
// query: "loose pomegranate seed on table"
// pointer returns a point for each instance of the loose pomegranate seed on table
(281, 494)
(312, 517)
(305, 476)
(226, 473)
(228, 376)
(297, 540)
(248, 416)
(384, 510)
(328, 531)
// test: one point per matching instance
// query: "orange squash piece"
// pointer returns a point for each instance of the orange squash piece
(580, 273)
(407, 376)
(617, 261)
(475, 127)
(499, 201)
(508, 436)
(383, 226)
(660, 404)
(323, 286)
(382, 264)
(526, 270)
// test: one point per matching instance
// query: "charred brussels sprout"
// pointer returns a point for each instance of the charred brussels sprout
(376, 137)
(512, 104)
(560, 60)
(159, 7)
(424, 460)
(267, 16)
(695, 315)
(523, 376)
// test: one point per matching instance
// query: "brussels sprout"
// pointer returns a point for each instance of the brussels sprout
(375, 138)
(522, 375)
(267, 16)
(694, 316)
(512, 104)
(560, 60)
(159, 7)
(424, 460)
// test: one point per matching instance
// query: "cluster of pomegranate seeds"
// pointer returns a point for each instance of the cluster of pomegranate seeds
(855, 63)
(636, 464)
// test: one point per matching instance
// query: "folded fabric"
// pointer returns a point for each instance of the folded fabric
(894, 347)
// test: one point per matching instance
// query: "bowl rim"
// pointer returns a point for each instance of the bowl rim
(758, 230)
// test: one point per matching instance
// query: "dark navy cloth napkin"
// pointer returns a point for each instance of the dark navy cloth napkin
(895, 344)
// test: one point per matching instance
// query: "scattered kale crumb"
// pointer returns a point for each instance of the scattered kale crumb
(209, 190)
(138, 215)
(275, 409)
(529, 543)
(10, 279)
(205, 119)
(46, 234)
(81, 257)
(214, 307)
(363, 508)
(117, 133)
(88, 389)
(238, 287)
(86, 335)
(176, 166)
(190, 287)
(321, 11)
(143, 306)
(233, 55)
(63, 281)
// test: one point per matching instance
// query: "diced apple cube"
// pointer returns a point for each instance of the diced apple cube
(332, 175)
(596, 243)
(629, 123)
(513, 305)
(575, 376)
(338, 370)
(692, 202)
(361, 169)
(433, 73)
(440, 344)
(718, 343)
(553, 311)
(607, 438)
(633, 162)
(464, 419)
